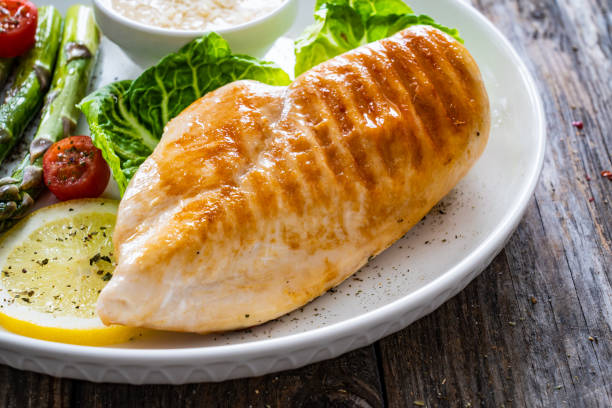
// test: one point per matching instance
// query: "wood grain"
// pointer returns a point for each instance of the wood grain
(534, 330)
(351, 380)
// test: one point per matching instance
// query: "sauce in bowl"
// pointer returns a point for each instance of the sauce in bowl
(194, 15)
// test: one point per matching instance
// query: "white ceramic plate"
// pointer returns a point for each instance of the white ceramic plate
(433, 262)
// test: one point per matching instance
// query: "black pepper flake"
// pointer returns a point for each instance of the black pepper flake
(24, 270)
(107, 277)
(106, 258)
(90, 236)
(94, 259)
(247, 315)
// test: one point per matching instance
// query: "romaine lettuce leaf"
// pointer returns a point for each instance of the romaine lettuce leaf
(342, 25)
(127, 118)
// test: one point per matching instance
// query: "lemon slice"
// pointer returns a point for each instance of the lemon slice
(53, 265)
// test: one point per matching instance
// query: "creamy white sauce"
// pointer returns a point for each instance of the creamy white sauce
(197, 15)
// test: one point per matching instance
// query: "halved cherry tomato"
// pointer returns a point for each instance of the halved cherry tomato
(18, 21)
(75, 168)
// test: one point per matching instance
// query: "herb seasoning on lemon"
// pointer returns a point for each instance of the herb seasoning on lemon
(54, 264)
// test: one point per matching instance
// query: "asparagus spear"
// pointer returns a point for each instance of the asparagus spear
(5, 69)
(33, 74)
(59, 117)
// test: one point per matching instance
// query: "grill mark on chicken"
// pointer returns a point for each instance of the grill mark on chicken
(441, 74)
(366, 107)
(384, 114)
(265, 199)
(335, 155)
(400, 100)
(253, 125)
(210, 151)
(425, 98)
(330, 94)
(357, 90)
(292, 169)
(460, 71)
(326, 167)
(209, 210)
(243, 220)
(309, 157)
(290, 192)
(255, 128)
(308, 164)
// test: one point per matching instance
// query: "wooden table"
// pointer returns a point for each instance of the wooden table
(535, 329)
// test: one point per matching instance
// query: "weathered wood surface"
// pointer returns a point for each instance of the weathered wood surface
(534, 330)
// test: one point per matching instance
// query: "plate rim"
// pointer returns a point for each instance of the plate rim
(327, 335)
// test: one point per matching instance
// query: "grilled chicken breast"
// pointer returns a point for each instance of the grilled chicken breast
(259, 199)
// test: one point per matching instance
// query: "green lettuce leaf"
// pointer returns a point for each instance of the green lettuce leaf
(342, 25)
(127, 118)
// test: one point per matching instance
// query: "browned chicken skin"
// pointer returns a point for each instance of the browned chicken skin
(259, 199)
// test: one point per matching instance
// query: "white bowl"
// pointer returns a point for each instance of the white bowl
(147, 44)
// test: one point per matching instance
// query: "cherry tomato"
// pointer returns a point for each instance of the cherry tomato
(18, 21)
(75, 168)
